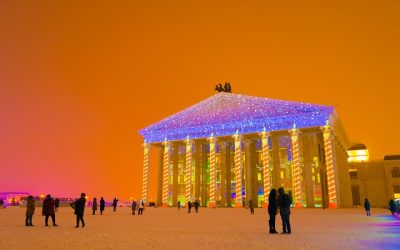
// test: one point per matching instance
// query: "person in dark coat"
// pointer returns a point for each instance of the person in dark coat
(196, 206)
(284, 203)
(251, 206)
(189, 206)
(102, 205)
(30, 210)
(79, 207)
(94, 206)
(367, 207)
(49, 210)
(56, 204)
(392, 206)
(272, 210)
(133, 206)
(115, 203)
(179, 205)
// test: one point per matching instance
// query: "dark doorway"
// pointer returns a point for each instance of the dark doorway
(355, 192)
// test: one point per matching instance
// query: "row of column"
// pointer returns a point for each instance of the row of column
(164, 161)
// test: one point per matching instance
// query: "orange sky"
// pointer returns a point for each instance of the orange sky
(78, 80)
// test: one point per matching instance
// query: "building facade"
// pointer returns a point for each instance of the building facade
(230, 149)
(376, 180)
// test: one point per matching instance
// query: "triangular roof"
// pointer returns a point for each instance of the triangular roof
(226, 114)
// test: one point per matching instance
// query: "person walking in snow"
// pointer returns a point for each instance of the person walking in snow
(102, 205)
(94, 206)
(392, 206)
(189, 207)
(79, 206)
(140, 207)
(272, 210)
(367, 207)
(284, 203)
(30, 210)
(251, 207)
(115, 203)
(133, 207)
(48, 210)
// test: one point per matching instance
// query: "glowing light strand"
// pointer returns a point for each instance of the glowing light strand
(266, 166)
(329, 165)
(212, 171)
(165, 174)
(188, 170)
(145, 171)
(296, 166)
(238, 169)
(223, 114)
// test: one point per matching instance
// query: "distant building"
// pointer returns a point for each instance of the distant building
(377, 180)
(13, 198)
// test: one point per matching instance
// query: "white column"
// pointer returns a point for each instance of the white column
(330, 171)
(165, 174)
(188, 170)
(145, 179)
(266, 166)
(238, 169)
(296, 166)
(212, 171)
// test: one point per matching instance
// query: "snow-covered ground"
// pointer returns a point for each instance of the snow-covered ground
(224, 228)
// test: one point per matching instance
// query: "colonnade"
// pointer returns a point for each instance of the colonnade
(225, 171)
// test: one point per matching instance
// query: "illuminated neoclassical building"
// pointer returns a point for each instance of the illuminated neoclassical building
(231, 148)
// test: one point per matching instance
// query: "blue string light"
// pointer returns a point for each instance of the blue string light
(224, 114)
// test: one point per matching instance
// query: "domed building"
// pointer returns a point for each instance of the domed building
(358, 153)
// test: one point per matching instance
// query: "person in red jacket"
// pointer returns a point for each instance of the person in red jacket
(49, 210)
